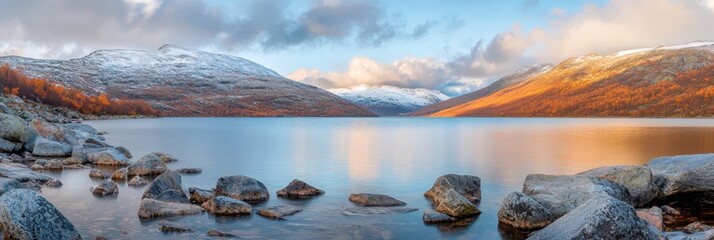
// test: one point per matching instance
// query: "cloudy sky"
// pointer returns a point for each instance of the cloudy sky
(454, 46)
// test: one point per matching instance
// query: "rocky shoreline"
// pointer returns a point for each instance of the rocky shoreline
(668, 198)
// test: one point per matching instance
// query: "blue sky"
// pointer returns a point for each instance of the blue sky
(452, 46)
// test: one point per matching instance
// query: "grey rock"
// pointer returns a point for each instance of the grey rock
(96, 141)
(637, 179)
(47, 148)
(364, 211)
(561, 194)
(99, 174)
(171, 195)
(81, 127)
(456, 205)
(652, 216)
(83, 152)
(54, 183)
(53, 132)
(108, 157)
(222, 205)
(104, 189)
(278, 212)
(72, 161)
(26, 215)
(696, 227)
(174, 229)
(170, 180)
(37, 167)
(165, 157)
(21, 173)
(150, 164)
(189, 170)
(706, 235)
(14, 129)
(7, 184)
(7, 146)
(199, 196)
(150, 208)
(137, 181)
(670, 210)
(298, 189)
(217, 233)
(466, 185)
(119, 174)
(242, 188)
(375, 200)
(685, 175)
(5, 109)
(124, 151)
(54, 164)
(41, 162)
(431, 216)
(601, 217)
(523, 212)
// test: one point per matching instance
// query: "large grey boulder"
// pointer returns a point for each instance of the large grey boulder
(222, 205)
(26, 215)
(299, 189)
(82, 153)
(637, 179)
(109, 156)
(47, 148)
(561, 194)
(150, 164)
(456, 205)
(7, 184)
(241, 187)
(22, 173)
(8, 147)
(466, 185)
(601, 217)
(199, 196)
(105, 188)
(523, 212)
(689, 176)
(170, 180)
(119, 174)
(172, 195)
(53, 132)
(375, 200)
(14, 129)
(150, 208)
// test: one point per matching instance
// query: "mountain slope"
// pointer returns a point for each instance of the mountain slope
(390, 101)
(674, 81)
(186, 82)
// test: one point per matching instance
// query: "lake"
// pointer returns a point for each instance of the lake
(400, 157)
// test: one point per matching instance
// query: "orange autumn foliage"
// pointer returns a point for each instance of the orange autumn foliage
(43, 91)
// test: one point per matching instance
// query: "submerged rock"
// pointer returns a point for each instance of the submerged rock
(299, 189)
(561, 194)
(25, 214)
(174, 229)
(217, 233)
(150, 164)
(466, 185)
(189, 170)
(706, 235)
(54, 183)
(169, 180)
(137, 181)
(165, 157)
(377, 210)
(150, 208)
(652, 216)
(637, 179)
(375, 200)
(688, 176)
(522, 212)
(222, 205)
(278, 212)
(104, 189)
(98, 174)
(242, 188)
(108, 157)
(456, 205)
(119, 174)
(199, 196)
(601, 217)
(431, 216)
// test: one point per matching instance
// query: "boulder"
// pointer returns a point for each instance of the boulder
(688, 176)
(456, 205)
(171, 195)
(119, 174)
(242, 188)
(170, 180)
(217, 233)
(124, 151)
(37, 167)
(104, 189)
(72, 161)
(670, 210)
(637, 179)
(53, 132)
(696, 227)
(5, 109)
(21, 173)
(109, 156)
(165, 157)
(54, 183)
(199, 196)
(54, 164)
(41, 162)
(375, 200)
(81, 128)
(364, 211)
(523, 212)
(47, 148)
(602, 217)
(706, 235)
(150, 164)
(174, 229)
(299, 189)
(137, 181)
(561, 194)
(99, 174)
(466, 185)
(222, 205)
(7, 184)
(83, 152)
(431, 216)
(14, 129)
(150, 208)
(652, 216)
(278, 212)
(25, 214)
(7, 146)
(189, 170)
(96, 141)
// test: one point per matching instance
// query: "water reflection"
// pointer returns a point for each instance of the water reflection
(397, 156)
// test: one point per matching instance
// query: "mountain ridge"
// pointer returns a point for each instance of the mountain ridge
(390, 100)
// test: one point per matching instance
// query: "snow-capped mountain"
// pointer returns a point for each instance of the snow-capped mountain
(187, 82)
(389, 100)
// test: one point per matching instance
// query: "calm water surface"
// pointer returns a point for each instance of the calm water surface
(396, 156)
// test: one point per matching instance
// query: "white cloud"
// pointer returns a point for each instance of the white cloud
(142, 8)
